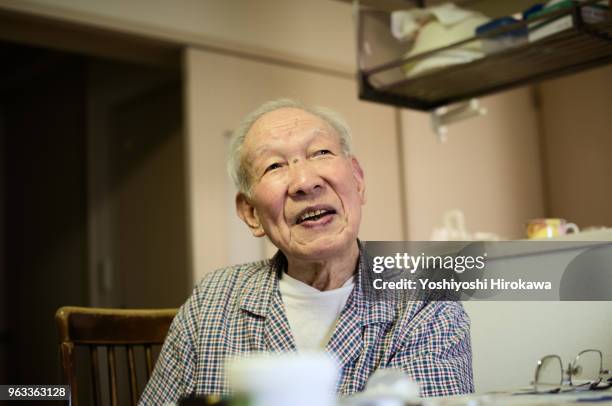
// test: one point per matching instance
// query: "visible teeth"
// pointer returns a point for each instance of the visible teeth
(310, 214)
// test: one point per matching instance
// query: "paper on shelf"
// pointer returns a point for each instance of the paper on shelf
(406, 23)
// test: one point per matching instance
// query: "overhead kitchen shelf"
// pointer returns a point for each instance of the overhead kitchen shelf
(385, 75)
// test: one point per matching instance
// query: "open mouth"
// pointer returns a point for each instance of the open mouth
(314, 215)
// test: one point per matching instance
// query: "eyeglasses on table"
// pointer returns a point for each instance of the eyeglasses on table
(585, 372)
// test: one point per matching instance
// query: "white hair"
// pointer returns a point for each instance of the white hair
(235, 165)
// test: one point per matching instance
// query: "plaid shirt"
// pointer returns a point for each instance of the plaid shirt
(239, 310)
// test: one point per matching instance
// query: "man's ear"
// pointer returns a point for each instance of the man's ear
(359, 178)
(248, 214)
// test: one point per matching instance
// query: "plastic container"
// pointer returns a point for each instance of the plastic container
(290, 379)
(502, 41)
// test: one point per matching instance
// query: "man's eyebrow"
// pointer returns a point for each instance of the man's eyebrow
(261, 149)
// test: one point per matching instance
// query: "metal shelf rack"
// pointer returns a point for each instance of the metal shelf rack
(382, 76)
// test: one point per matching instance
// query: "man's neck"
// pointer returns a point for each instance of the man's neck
(328, 274)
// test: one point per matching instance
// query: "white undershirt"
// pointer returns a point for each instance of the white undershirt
(312, 313)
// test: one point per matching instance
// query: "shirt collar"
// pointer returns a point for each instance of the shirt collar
(260, 287)
(257, 292)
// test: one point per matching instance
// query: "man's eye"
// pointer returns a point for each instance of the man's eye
(322, 152)
(272, 167)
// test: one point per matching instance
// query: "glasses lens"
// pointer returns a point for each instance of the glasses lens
(550, 374)
(586, 367)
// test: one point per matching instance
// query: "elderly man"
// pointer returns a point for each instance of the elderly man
(300, 186)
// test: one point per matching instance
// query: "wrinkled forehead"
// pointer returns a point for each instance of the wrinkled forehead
(282, 124)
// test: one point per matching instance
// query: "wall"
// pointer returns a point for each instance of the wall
(577, 123)
(315, 31)
(489, 168)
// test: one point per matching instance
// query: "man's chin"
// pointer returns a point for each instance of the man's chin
(322, 248)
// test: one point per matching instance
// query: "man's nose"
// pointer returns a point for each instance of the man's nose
(303, 179)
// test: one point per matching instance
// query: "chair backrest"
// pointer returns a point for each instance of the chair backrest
(110, 328)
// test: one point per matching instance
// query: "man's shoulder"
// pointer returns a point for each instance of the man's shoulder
(220, 291)
(435, 318)
(430, 311)
(232, 279)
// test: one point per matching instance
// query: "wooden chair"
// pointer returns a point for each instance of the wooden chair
(109, 328)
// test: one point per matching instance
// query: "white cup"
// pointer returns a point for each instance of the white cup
(303, 379)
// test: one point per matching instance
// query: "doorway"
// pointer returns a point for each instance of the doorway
(93, 208)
